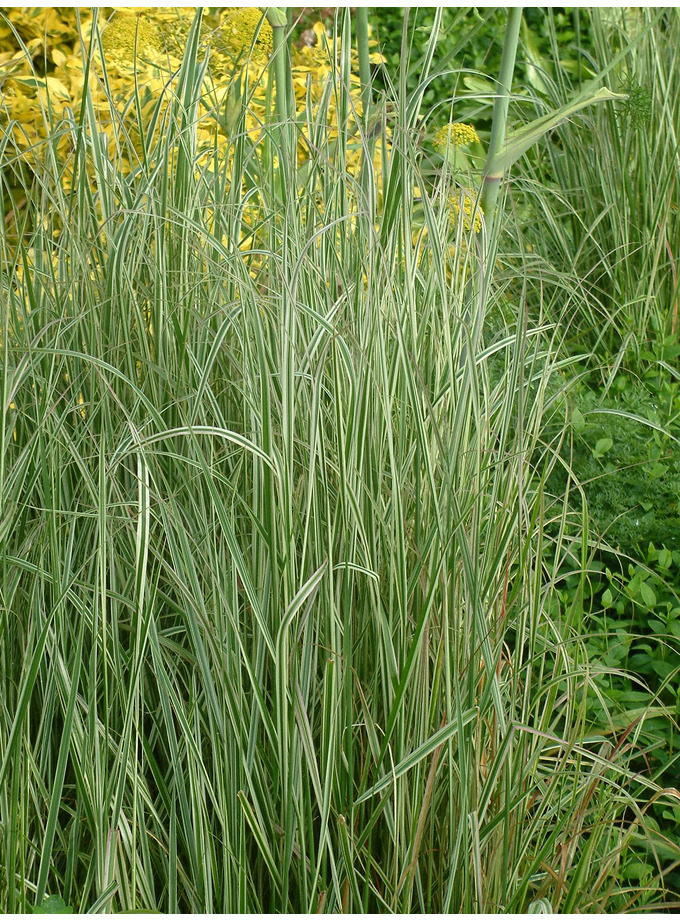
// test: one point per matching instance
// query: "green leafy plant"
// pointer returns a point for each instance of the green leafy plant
(625, 453)
(53, 905)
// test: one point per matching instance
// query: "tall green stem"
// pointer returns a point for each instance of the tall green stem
(289, 58)
(493, 173)
(278, 20)
(280, 49)
(364, 60)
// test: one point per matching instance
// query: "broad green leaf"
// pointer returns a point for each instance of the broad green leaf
(536, 65)
(602, 446)
(542, 906)
(518, 142)
(647, 594)
(578, 420)
(479, 85)
(53, 905)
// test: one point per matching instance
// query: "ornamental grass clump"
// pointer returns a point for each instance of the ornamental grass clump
(281, 623)
(617, 195)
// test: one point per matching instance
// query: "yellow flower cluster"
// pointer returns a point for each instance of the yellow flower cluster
(471, 214)
(128, 33)
(244, 34)
(457, 134)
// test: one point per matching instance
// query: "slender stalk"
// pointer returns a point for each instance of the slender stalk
(289, 70)
(280, 71)
(493, 174)
(278, 20)
(364, 62)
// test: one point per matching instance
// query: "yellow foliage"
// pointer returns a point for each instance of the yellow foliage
(44, 54)
(42, 73)
(463, 206)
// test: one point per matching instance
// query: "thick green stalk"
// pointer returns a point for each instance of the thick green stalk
(364, 61)
(278, 20)
(290, 20)
(492, 172)
(280, 72)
